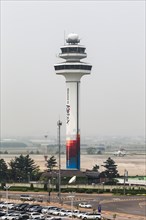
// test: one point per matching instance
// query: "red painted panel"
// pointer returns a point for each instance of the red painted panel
(73, 148)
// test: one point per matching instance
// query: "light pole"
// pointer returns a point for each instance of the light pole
(7, 188)
(72, 180)
(28, 177)
(103, 186)
(125, 178)
(46, 153)
(59, 123)
(49, 192)
(72, 200)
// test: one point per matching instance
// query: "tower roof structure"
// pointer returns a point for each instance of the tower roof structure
(73, 52)
(73, 38)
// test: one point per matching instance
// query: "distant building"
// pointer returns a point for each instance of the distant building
(86, 177)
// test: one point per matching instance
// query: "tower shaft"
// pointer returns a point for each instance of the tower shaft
(72, 125)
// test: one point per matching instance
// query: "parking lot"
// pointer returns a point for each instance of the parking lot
(30, 210)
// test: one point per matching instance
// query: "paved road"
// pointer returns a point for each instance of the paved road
(128, 207)
(131, 205)
(135, 205)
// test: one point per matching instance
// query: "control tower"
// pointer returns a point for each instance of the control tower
(72, 69)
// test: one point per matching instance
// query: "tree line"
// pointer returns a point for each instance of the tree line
(24, 169)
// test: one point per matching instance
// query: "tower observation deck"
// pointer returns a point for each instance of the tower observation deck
(72, 69)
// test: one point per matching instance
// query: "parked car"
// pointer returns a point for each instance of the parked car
(75, 213)
(2, 213)
(1, 204)
(51, 209)
(36, 215)
(37, 209)
(24, 216)
(63, 212)
(85, 205)
(28, 207)
(68, 213)
(32, 209)
(6, 205)
(14, 216)
(53, 218)
(91, 216)
(22, 206)
(10, 216)
(79, 214)
(56, 211)
(45, 209)
(26, 197)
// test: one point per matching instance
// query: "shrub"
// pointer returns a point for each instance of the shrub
(100, 191)
(19, 188)
(36, 190)
(90, 191)
(107, 190)
(24, 189)
(80, 190)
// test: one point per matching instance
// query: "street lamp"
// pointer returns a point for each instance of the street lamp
(72, 200)
(103, 186)
(49, 192)
(125, 178)
(59, 123)
(72, 180)
(7, 188)
(28, 177)
(46, 153)
(53, 183)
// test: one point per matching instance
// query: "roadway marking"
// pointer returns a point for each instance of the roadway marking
(127, 216)
(121, 200)
(141, 204)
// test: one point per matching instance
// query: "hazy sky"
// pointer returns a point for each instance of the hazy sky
(33, 96)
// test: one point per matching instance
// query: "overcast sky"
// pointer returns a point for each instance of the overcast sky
(33, 96)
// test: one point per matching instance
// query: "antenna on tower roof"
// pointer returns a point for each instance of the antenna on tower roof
(64, 37)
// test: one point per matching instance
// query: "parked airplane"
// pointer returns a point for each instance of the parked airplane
(120, 153)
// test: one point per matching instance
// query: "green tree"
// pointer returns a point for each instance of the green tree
(13, 170)
(37, 152)
(3, 170)
(51, 163)
(91, 150)
(95, 167)
(5, 152)
(21, 167)
(111, 171)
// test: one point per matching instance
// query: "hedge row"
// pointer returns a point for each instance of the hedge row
(121, 191)
(132, 191)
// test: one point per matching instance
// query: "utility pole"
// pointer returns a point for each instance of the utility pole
(59, 123)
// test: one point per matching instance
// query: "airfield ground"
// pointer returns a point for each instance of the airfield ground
(135, 164)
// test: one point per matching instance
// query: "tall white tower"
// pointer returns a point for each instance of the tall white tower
(72, 69)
